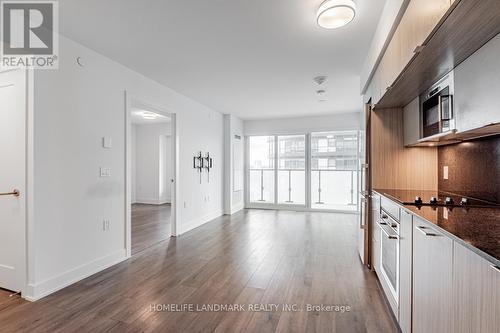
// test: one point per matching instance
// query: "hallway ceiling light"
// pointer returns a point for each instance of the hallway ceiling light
(149, 115)
(333, 14)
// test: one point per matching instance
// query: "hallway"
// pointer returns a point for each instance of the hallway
(150, 225)
(253, 257)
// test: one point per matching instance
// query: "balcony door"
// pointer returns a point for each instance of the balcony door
(261, 162)
(292, 170)
(334, 176)
(317, 171)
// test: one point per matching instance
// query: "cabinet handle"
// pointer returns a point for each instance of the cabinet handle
(418, 49)
(421, 229)
(496, 268)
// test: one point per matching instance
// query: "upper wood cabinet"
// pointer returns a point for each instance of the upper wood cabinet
(418, 21)
(476, 293)
(432, 279)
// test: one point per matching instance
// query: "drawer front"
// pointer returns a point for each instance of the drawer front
(390, 208)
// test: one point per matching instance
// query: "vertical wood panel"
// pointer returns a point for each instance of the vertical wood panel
(393, 165)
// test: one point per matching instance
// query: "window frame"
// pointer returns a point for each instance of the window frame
(307, 206)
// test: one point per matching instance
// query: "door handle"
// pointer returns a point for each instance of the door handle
(14, 192)
(421, 229)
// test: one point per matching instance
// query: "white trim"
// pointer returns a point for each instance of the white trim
(297, 208)
(131, 99)
(236, 208)
(60, 281)
(151, 201)
(30, 173)
(199, 221)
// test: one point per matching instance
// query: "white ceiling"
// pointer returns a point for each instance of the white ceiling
(252, 58)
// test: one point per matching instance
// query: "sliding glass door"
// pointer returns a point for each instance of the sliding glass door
(334, 162)
(261, 168)
(292, 169)
(314, 170)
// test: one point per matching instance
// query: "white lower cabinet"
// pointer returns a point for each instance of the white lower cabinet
(405, 270)
(443, 285)
(476, 293)
(432, 279)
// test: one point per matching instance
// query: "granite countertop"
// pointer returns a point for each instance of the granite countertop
(477, 228)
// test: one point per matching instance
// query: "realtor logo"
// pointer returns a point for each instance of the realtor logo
(29, 34)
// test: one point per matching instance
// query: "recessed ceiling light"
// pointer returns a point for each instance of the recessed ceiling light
(149, 115)
(333, 14)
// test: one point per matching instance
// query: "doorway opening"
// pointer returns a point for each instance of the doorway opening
(151, 168)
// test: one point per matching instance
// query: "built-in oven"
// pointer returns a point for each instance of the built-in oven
(389, 255)
(436, 109)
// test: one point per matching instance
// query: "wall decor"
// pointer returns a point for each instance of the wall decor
(198, 163)
(207, 164)
(201, 163)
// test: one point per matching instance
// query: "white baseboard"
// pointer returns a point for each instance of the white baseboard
(39, 290)
(190, 225)
(149, 201)
(237, 208)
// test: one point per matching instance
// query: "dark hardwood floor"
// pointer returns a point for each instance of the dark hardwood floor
(150, 225)
(253, 257)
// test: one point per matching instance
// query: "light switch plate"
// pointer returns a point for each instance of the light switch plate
(107, 142)
(445, 172)
(105, 172)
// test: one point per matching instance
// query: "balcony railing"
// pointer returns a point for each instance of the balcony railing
(319, 175)
(341, 185)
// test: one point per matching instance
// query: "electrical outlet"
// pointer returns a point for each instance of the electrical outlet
(445, 172)
(184, 204)
(105, 172)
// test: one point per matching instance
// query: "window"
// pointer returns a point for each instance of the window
(261, 168)
(280, 172)
(292, 169)
(334, 161)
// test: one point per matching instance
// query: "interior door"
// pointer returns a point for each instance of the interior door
(365, 190)
(12, 179)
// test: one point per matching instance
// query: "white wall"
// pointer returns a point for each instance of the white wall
(150, 169)
(234, 162)
(337, 122)
(74, 107)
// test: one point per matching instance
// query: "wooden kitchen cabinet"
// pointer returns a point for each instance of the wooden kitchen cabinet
(405, 270)
(432, 279)
(390, 66)
(418, 21)
(476, 293)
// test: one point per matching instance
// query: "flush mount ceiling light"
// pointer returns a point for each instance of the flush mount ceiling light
(333, 14)
(149, 115)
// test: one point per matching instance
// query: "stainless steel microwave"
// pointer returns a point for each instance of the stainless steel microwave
(436, 109)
